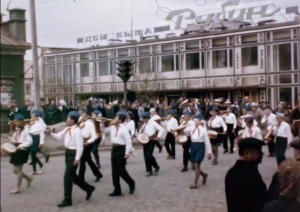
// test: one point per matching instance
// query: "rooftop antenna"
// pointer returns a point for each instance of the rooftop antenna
(8, 5)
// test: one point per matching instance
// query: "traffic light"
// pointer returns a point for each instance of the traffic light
(124, 70)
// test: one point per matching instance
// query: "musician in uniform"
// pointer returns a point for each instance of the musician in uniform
(130, 124)
(13, 110)
(230, 121)
(154, 117)
(269, 120)
(244, 187)
(216, 123)
(251, 131)
(149, 128)
(37, 130)
(245, 114)
(89, 135)
(73, 141)
(122, 145)
(200, 142)
(22, 139)
(170, 123)
(283, 137)
(186, 147)
(95, 114)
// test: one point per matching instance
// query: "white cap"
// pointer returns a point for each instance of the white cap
(217, 100)
(228, 102)
(152, 110)
(253, 104)
(280, 115)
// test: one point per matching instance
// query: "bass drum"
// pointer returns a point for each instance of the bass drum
(142, 139)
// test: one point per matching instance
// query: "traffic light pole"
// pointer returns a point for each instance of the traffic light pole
(125, 96)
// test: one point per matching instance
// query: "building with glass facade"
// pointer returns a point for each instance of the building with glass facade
(261, 62)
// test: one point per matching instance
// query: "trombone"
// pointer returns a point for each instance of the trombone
(50, 127)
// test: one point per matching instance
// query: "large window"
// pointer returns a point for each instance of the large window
(167, 63)
(249, 56)
(50, 75)
(84, 70)
(192, 61)
(284, 57)
(219, 59)
(144, 50)
(145, 65)
(69, 74)
(103, 68)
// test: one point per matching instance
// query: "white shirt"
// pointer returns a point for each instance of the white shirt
(72, 139)
(187, 124)
(243, 123)
(88, 131)
(23, 137)
(256, 133)
(151, 127)
(120, 136)
(271, 120)
(217, 122)
(35, 126)
(230, 119)
(130, 126)
(170, 124)
(283, 130)
(154, 117)
(199, 135)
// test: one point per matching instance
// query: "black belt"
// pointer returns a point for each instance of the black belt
(119, 145)
(281, 137)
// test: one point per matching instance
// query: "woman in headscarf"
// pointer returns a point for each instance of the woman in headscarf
(63, 111)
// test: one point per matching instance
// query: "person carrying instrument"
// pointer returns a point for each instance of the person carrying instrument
(186, 147)
(96, 114)
(38, 138)
(251, 131)
(122, 145)
(154, 117)
(170, 123)
(269, 120)
(200, 142)
(89, 135)
(73, 141)
(283, 137)
(130, 124)
(231, 123)
(216, 123)
(149, 128)
(245, 113)
(23, 140)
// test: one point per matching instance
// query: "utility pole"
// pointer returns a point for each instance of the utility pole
(36, 75)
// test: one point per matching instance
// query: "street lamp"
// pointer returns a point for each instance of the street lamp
(125, 74)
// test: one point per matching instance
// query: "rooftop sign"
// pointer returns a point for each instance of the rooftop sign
(204, 20)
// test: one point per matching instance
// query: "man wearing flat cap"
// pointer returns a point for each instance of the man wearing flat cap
(244, 187)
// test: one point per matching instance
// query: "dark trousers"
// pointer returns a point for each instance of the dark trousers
(271, 145)
(35, 160)
(86, 157)
(158, 145)
(148, 156)
(118, 168)
(281, 145)
(186, 152)
(231, 136)
(95, 150)
(170, 141)
(71, 176)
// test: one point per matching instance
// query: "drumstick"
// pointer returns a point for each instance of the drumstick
(131, 152)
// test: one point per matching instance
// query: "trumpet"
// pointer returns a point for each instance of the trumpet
(182, 103)
(106, 122)
(268, 135)
(100, 119)
(50, 127)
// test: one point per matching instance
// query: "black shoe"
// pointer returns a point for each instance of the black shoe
(225, 151)
(98, 166)
(89, 193)
(148, 174)
(156, 170)
(98, 178)
(64, 204)
(132, 188)
(160, 149)
(231, 152)
(115, 194)
(47, 158)
(30, 163)
(185, 169)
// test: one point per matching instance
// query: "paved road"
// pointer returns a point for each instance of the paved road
(167, 192)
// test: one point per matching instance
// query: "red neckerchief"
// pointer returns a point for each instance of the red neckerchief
(250, 132)
(68, 130)
(142, 130)
(195, 130)
(211, 119)
(82, 126)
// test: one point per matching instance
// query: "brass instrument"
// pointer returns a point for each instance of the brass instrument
(182, 103)
(268, 135)
(13, 126)
(50, 127)
(99, 119)
(107, 122)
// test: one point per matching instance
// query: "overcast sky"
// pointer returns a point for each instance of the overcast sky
(61, 22)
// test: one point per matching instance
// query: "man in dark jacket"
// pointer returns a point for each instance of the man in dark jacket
(13, 110)
(44, 107)
(244, 187)
(26, 109)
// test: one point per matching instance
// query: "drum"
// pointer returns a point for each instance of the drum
(212, 134)
(142, 138)
(181, 139)
(8, 148)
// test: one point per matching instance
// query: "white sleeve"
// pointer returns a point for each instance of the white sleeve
(60, 135)
(289, 134)
(79, 143)
(28, 138)
(164, 123)
(207, 142)
(264, 119)
(254, 122)
(234, 122)
(132, 127)
(127, 141)
(42, 137)
(93, 132)
(223, 125)
(159, 128)
(104, 129)
(259, 136)
(175, 123)
(188, 130)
